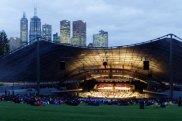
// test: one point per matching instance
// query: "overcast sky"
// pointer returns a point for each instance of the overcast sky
(127, 21)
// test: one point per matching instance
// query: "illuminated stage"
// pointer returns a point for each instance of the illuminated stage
(103, 85)
(111, 90)
(112, 94)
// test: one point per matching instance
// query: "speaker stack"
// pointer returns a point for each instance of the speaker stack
(146, 65)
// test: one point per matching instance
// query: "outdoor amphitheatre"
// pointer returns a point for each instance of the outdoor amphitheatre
(45, 81)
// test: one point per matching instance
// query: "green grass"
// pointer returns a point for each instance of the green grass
(23, 112)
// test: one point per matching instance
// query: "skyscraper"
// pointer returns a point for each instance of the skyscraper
(79, 33)
(35, 27)
(24, 29)
(65, 31)
(56, 38)
(47, 32)
(101, 39)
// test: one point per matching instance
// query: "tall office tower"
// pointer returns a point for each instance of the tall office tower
(35, 27)
(101, 39)
(24, 29)
(79, 33)
(65, 31)
(47, 32)
(56, 38)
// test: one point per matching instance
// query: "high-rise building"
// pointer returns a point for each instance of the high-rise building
(65, 31)
(101, 39)
(35, 27)
(47, 32)
(14, 43)
(79, 33)
(24, 29)
(56, 38)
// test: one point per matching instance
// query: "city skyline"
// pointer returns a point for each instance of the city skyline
(126, 22)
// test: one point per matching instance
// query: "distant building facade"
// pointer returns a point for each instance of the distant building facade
(65, 31)
(47, 32)
(101, 39)
(35, 27)
(24, 29)
(79, 33)
(14, 43)
(90, 45)
(56, 38)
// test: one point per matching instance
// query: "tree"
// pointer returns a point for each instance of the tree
(4, 46)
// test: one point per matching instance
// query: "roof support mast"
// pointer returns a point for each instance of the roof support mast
(37, 54)
(171, 65)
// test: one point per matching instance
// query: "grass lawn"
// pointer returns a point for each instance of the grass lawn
(22, 112)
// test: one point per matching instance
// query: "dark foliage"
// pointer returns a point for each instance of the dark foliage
(4, 47)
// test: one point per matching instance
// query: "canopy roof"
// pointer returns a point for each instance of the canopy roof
(21, 65)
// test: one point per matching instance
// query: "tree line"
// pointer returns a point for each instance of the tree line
(4, 46)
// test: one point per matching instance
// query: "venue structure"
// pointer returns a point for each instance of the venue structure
(151, 67)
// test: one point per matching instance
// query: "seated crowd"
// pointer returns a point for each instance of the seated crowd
(40, 100)
(57, 100)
